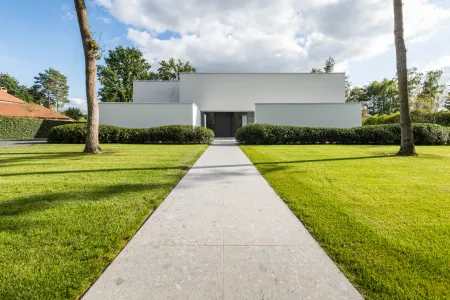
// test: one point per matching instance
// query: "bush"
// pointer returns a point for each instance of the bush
(170, 134)
(265, 134)
(26, 128)
(417, 116)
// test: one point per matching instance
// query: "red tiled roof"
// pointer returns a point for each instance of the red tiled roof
(11, 106)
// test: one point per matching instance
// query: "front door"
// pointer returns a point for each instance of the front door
(223, 124)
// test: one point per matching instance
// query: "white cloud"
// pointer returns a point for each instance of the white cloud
(68, 12)
(78, 103)
(267, 35)
(104, 19)
(442, 63)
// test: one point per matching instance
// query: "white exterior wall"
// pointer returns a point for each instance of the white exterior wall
(146, 115)
(340, 115)
(240, 91)
(155, 91)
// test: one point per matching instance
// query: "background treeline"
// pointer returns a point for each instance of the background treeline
(426, 92)
(122, 66)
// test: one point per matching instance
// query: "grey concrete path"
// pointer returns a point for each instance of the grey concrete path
(222, 233)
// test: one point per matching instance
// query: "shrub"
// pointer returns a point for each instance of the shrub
(266, 134)
(26, 128)
(417, 116)
(170, 134)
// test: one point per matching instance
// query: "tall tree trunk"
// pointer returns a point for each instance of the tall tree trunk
(90, 55)
(407, 138)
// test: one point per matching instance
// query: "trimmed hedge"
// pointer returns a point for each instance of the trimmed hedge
(25, 128)
(265, 134)
(170, 134)
(417, 116)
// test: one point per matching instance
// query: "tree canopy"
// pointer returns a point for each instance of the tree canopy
(16, 89)
(122, 66)
(170, 70)
(74, 113)
(52, 85)
(381, 97)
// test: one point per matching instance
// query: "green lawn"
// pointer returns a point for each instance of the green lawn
(385, 220)
(65, 215)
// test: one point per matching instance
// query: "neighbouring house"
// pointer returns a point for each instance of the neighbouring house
(11, 106)
(226, 101)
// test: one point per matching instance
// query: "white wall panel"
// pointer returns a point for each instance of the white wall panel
(155, 91)
(240, 91)
(341, 115)
(146, 115)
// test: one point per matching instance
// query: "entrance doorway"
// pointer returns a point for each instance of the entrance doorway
(223, 124)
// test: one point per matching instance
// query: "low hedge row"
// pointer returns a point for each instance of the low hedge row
(417, 116)
(170, 134)
(265, 134)
(25, 128)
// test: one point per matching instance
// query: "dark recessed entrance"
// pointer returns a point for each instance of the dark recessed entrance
(223, 124)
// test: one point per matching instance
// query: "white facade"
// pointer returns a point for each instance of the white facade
(240, 91)
(156, 91)
(341, 115)
(303, 99)
(146, 115)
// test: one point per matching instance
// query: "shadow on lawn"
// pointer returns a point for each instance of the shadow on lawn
(46, 201)
(183, 168)
(18, 157)
(321, 160)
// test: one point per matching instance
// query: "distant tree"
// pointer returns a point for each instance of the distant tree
(91, 54)
(74, 113)
(357, 94)
(431, 92)
(37, 95)
(407, 147)
(15, 88)
(447, 102)
(122, 66)
(170, 70)
(415, 79)
(329, 65)
(53, 85)
(10, 83)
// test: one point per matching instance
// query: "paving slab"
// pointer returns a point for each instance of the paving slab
(223, 233)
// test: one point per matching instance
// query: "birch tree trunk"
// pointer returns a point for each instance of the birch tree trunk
(407, 139)
(90, 56)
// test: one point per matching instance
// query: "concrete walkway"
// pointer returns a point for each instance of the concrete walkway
(222, 233)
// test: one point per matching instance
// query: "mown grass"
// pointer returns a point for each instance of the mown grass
(385, 220)
(65, 215)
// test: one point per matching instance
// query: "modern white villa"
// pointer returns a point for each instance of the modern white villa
(226, 101)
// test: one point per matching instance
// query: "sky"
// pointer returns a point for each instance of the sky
(226, 36)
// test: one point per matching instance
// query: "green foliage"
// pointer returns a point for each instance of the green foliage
(16, 89)
(266, 134)
(170, 134)
(122, 66)
(329, 67)
(431, 91)
(52, 85)
(24, 128)
(74, 113)
(381, 97)
(170, 70)
(417, 116)
(447, 102)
